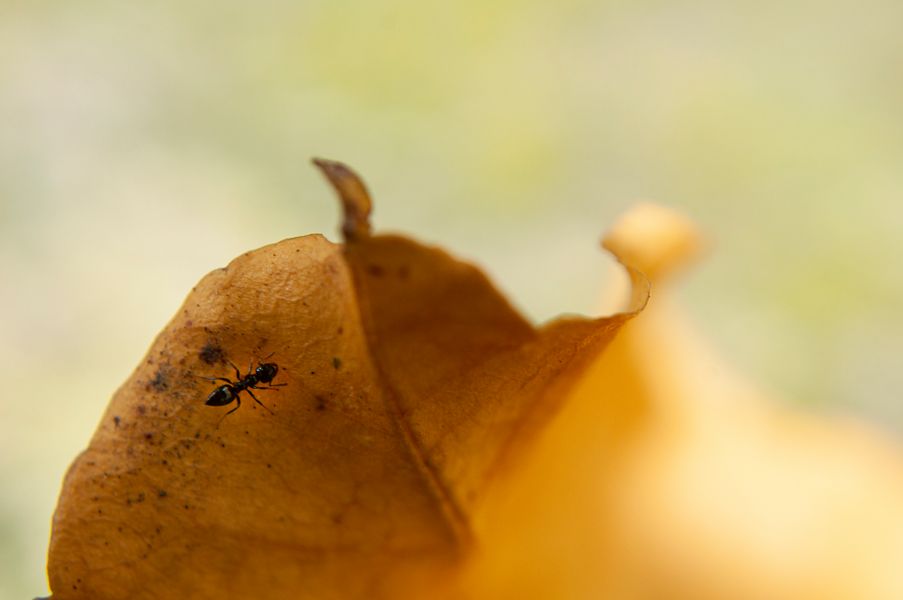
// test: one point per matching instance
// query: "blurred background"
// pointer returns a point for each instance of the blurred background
(143, 145)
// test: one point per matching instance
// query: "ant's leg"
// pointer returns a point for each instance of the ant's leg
(229, 381)
(238, 376)
(268, 386)
(238, 400)
(237, 405)
(258, 401)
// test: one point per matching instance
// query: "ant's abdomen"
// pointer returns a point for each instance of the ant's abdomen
(221, 396)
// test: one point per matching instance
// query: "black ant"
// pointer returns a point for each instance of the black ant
(225, 394)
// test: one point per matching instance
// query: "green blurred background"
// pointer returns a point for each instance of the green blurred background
(142, 145)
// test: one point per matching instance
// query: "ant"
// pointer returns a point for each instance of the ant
(225, 394)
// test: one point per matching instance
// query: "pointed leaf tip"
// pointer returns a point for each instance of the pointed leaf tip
(655, 240)
(356, 204)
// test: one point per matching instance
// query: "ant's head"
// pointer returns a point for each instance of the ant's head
(266, 372)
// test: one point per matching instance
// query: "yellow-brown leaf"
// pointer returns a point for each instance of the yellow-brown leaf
(412, 387)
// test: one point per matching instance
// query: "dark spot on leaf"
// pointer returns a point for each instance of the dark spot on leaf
(148, 436)
(141, 409)
(211, 353)
(160, 382)
(336, 362)
(116, 420)
(161, 494)
(321, 403)
(375, 270)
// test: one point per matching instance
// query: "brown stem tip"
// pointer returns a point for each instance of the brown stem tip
(355, 199)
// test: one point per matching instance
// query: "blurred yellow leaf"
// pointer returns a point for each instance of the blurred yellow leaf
(666, 476)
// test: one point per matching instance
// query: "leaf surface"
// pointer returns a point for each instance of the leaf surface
(412, 387)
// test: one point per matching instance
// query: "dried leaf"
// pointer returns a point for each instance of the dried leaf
(413, 391)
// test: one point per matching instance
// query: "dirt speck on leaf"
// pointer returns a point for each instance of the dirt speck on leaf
(212, 353)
